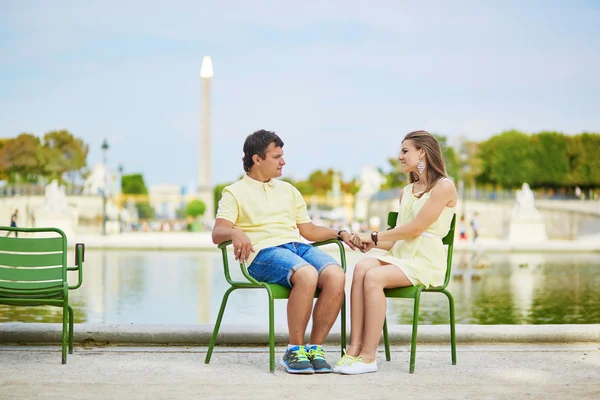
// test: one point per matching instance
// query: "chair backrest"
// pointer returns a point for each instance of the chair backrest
(448, 240)
(32, 263)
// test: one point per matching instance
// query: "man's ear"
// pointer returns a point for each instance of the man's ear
(256, 159)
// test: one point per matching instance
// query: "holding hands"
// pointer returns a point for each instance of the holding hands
(363, 241)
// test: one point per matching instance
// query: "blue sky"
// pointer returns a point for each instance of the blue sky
(340, 81)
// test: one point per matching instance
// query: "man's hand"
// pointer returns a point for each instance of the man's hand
(242, 247)
(363, 241)
(347, 238)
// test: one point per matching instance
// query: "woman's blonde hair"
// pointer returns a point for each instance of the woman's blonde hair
(433, 158)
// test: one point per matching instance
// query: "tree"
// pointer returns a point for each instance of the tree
(395, 177)
(451, 159)
(3, 173)
(20, 158)
(195, 208)
(549, 150)
(133, 184)
(508, 159)
(62, 154)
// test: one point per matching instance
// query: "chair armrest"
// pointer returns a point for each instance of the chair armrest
(79, 259)
(243, 267)
(340, 244)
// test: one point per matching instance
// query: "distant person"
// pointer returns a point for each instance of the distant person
(264, 217)
(475, 226)
(13, 223)
(578, 192)
(462, 228)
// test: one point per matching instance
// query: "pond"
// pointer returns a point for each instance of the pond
(186, 287)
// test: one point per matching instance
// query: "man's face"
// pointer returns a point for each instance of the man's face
(272, 165)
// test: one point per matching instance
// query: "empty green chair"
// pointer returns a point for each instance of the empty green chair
(414, 292)
(274, 292)
(33, 272)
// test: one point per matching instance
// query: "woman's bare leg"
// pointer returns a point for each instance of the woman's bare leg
(375, 280)
(357, 304)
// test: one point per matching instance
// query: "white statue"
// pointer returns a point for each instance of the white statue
(56, 198)
(370, 182)
(94, 184)
(524, 202)
(57, 212)
(526, 223)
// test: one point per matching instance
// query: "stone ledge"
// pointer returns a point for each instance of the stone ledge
(29, 333)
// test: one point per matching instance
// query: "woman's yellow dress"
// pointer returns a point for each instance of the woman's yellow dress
(422, 259)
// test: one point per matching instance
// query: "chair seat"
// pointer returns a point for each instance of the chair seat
(403, 292)
(282, 292)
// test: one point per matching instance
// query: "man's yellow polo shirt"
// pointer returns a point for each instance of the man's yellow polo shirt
(269, 212)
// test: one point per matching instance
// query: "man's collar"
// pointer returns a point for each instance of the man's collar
(271, 182)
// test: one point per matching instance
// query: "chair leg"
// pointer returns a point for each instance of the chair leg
(413, 344)
(271, 331)
(343, 330)
(386, 341)
(213, 339)
(452, 326)
(70, 329)
(65, 332)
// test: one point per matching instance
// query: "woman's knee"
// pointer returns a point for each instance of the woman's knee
(363, 266)
(373, 280)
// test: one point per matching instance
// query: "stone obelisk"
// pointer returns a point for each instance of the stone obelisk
(205, 189)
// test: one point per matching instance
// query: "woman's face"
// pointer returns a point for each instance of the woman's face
(409, 156)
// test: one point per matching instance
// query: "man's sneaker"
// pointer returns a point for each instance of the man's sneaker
(295, 361)
(343, 361)
(316, 356)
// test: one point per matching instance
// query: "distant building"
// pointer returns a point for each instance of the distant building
(166, 199)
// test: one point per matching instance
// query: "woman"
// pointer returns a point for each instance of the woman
(415, 256)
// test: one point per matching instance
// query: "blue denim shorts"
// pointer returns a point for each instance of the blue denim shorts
(277, 264)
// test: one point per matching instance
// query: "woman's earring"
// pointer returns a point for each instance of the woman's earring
(421, 166)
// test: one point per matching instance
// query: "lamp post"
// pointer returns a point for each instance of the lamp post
(205, 191)
(104, 151)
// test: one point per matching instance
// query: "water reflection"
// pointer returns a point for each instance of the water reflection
(178, 287)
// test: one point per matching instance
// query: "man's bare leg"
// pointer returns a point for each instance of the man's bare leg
(357, 304)
(304, 284)
(331, 282)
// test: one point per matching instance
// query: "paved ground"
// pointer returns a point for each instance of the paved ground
(483, 372)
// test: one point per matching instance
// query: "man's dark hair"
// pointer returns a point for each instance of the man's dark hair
(257, 143)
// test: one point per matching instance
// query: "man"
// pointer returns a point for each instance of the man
(13, 223)
(264, 218)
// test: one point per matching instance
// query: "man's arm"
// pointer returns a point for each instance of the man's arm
(224, 231)
(315, 233)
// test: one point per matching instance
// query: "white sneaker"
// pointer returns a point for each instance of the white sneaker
(343, 361)
(356, 367)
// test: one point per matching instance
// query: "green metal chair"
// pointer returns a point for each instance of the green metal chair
(33, 272)
(274, 291)
(414, 292)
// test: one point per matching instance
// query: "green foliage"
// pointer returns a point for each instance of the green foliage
(451, 159)
(20, 158)
(543, 159)
(133, 184)
(395, 177)
(508, 159)
(61, 154)
(195, 208)
(145, 211)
